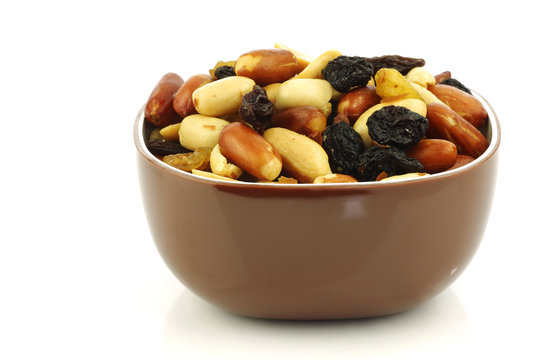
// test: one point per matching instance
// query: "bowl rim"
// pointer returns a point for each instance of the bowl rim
(494, 138)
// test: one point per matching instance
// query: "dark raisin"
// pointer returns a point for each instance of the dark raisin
(347, 72)
(257, 109)
(344, 147)
(389, 160)
(457, 84)
(163, 147)
(400, 63)
(397, 126)
(224, 71)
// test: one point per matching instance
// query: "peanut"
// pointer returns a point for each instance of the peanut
(302, 157)
(447, 124)
(466, 105)
(403, 176)
(436, 155)
(183, 100)
(170, 133)
(199, 131)
(303, 59)
(159, 109)
(391, 84)
(267, 66)
(305, 120)
(420, 76)
(334, 179)
(302, 92)
(355, 102)
(427, 96)
(220, 165)
(314, 69)
(247, 149)
(461, 161)
(222, 97)
(210, 175)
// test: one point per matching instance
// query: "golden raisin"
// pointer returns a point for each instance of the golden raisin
(197, 159)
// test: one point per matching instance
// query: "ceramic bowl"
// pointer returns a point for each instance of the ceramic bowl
(318, 251)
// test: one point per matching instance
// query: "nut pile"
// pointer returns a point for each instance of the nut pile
(275, 115)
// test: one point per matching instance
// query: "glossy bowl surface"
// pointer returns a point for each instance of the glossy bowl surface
(318, 251)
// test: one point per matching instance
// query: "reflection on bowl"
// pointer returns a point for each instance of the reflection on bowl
(318, 251)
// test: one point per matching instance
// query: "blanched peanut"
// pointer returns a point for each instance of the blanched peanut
(302, 157)
(220, 165)
(302, 92)
(420, 76)
(267, 66)
(210, 175)
(222, 97)
(314, 69)
(427, 96)
(170, 133)
(199, 131)
(247, 149)
(183, 99)
(334, 179)
(360, 126)
(305, 120)
(271, 91)
(403, 176)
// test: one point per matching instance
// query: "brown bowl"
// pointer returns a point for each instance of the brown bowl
(318, 251)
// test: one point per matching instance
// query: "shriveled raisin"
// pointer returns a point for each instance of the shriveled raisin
(400, 63)
(197, 159)
(257, 109)
(344, 147)
(347, 72)
(457, 84)
(388, 160)
(397, 126)
(224, 71)
(158, 146)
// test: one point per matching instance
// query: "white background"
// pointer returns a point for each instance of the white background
(80, 277)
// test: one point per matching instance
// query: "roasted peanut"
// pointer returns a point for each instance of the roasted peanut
(303, 158)
(360, 126)
(247, 149)
(222, 97)
(466, 105)
(391, 84)
(170, 133)
(447, 124)
(159, 107)
(420, 76)
(221, 166)
(462, 160)
(314, 69)
(183, 99)
(305, 120)
(303, 59)
(436, 155)
(334, 179)
(302, 92)
(355, 102)
(200, 131)
(444, 75)
(267, 66)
